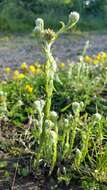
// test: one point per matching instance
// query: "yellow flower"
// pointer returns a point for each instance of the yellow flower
(16, 72)
(38, 70)
(28, 88)
(32, 69)
(87, 59)
(103, 55)
(24, 66)
(7, 70)
(61, 65)
(21, 76)
(17, 75)
(98, 57)
(95, 61)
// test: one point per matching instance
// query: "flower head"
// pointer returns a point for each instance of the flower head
(32, 69)
(53, 116)
(102, 54)
(77, 107)
(49, 34)
(24, 66)
(40, 23)
(97, 116)
(95, 61)
(87, 59)
(49, 124)
(21, 76)
(54, 136)
(2, 96)
(17, 75)
(7, 70)
(73, 18)
(39, 104)
(20, 103)
(61, 65)
(39, 28)
(28, 88)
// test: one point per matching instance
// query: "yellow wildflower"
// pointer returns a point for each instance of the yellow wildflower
(16, 72)
(95, 61)
(87, 59)
(17, 75)
(24, 66)
(7, 70)
(98, 57)
(38, 70)
(21, 76)
(103, 54)
(61, 65)
(32, 69)
(28, 88)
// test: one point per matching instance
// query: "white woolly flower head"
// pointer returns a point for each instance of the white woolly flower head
(53, 115)
(1, 93)
(76, 107)
(20, 103)
(97, 116)
(73, 17)
(53, 136)
(40, 23)
(66, 122)
(39, 105)
(49, 124)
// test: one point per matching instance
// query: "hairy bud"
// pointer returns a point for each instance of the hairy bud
(40, 23)
(74, 17)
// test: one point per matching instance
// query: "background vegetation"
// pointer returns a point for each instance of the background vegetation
(20, 15)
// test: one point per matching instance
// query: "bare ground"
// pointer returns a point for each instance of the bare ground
(16, 49)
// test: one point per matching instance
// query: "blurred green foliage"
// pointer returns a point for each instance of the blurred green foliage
(20, 15)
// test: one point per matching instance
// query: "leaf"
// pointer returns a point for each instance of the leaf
(3, 164)
(24, 172)
(62, 24)
(57, 79)
(66, 107)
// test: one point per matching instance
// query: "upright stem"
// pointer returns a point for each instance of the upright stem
(49, 70)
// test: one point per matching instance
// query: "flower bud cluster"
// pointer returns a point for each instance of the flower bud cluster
(48, 34)
(77, 107)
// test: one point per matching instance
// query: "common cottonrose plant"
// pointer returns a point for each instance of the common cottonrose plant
(46, 38)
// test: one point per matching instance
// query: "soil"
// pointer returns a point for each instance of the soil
(33, 181)
(29, 183)
(15, 49)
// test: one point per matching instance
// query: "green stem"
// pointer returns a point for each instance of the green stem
(49, 71)
(49, 77)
